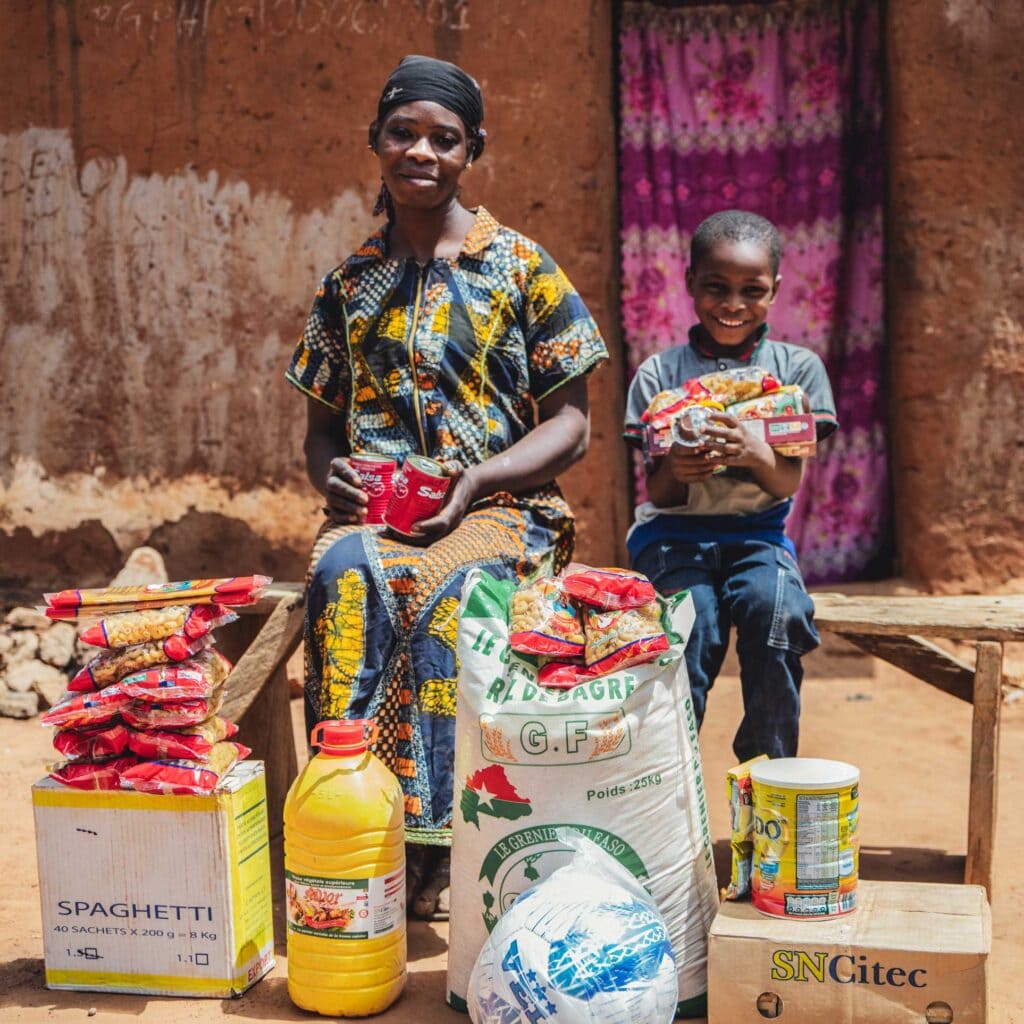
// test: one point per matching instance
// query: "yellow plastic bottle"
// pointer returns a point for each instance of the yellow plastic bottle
(344, 861)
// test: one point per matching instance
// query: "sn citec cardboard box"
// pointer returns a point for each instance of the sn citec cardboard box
(912, 952)
(163, 895)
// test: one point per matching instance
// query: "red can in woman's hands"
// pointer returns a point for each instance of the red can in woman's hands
(418, 493)
(377, 473)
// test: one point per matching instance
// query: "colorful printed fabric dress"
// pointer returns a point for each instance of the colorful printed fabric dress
(445, 360)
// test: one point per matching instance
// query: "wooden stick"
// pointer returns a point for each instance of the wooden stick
(981, 822)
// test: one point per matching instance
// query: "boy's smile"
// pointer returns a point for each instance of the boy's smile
(732, 287)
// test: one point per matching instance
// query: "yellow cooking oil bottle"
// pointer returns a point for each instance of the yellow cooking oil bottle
(344, 861)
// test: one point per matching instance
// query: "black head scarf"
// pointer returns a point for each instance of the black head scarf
(438, 81)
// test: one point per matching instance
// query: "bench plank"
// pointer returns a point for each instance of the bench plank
(922, 659)
(970, 618)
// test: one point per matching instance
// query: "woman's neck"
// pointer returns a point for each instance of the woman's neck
(424, 235)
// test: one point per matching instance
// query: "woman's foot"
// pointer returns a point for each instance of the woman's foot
(417, 863)
(433, 901)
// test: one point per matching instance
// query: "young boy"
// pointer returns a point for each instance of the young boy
(721, 535)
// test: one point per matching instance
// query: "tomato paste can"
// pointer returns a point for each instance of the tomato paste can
(377, 473)
(418, 493)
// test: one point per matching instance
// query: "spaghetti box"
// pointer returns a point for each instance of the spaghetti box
(156, 894)
(912, 952)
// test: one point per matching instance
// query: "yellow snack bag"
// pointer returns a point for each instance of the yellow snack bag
(740, 793)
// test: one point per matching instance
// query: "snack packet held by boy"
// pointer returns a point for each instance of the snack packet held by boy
(112, 666)
(127, 628)
(739, 790)
(617, 639)
(728, 387)
(184, 777)
(608, 588)
(544, 621)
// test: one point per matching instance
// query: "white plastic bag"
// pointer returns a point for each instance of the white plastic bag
(585, 946)
(616, 758)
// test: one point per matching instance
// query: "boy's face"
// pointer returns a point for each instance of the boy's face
(732, 287)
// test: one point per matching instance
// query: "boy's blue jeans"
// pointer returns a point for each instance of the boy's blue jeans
(757, 587)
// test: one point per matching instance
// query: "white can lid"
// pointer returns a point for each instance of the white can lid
(805, 773)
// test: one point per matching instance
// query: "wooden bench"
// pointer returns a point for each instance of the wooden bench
(891, 628)
(257, 698)
(895, 628)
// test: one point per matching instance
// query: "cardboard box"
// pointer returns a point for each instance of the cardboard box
(911, 952)
(164, 895)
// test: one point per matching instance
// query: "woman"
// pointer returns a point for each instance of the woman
(450, 336)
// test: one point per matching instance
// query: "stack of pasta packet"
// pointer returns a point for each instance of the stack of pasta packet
(587, 623)
(143, 713)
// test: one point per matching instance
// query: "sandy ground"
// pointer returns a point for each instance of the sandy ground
(911, 742)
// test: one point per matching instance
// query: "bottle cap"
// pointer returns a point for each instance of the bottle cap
(340, 739)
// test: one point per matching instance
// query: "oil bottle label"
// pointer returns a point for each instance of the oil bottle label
(346, 908)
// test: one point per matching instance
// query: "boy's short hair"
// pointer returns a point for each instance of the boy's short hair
(736, 226)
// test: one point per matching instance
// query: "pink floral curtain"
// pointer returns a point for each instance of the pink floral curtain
(775, 108)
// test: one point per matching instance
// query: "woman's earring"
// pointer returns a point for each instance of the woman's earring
(383, 200)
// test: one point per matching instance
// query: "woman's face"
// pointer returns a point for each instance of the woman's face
(423, 150)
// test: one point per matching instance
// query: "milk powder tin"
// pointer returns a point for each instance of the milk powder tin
(805, 837)
(418, 493)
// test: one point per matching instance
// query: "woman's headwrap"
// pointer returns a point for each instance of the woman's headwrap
(438, 81)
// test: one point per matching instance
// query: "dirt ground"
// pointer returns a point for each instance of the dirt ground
(911, 742)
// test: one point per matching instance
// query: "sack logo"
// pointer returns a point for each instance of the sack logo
(489, 792)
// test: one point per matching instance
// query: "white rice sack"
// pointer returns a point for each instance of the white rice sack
(615, 758)
(585, 946)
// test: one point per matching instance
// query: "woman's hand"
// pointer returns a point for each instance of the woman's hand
(461, 494)
(346, 499)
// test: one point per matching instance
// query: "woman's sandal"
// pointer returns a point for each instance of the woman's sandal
(434, 899)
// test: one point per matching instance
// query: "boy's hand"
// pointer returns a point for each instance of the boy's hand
(690, 465)
(728, 443)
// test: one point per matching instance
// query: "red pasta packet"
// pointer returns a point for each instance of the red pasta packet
(110, 667)
(620, 638)
(229, 590)
(608, 588)
(144, 714)
(92, 743)
(544, 621)
(97, 775)
(564, 675)
(136, 627)
(184, 777)
(84, 710)
(193, 743)
(195, 679)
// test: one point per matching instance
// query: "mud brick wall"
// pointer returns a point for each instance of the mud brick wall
(175, 177)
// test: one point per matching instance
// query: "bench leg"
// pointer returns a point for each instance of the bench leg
(981, 822)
